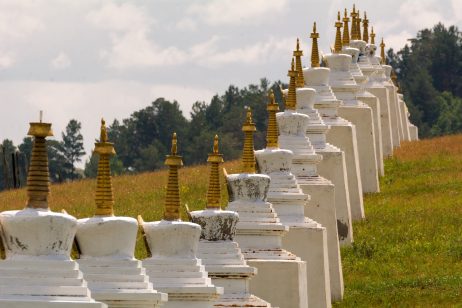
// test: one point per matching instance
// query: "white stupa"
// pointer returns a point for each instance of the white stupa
(220, 254)
(172, 264)
(282, 276)
(289, 193)
(333, 164)
(346, 89)
(107, 244)
(362, 75)
(343, 133)
(37, 271)
(396, 132)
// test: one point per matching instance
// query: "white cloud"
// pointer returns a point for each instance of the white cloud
(235, 12)
(397, 40)
(61, 61)
(421, 13)
(457, 9)
(6, 60)
(186, 24)
(123, 17)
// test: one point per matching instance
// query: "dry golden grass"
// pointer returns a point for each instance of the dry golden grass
(427, 148)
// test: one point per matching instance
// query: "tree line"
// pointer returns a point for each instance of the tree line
(429, 71)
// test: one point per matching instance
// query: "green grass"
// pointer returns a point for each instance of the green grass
(408, 250)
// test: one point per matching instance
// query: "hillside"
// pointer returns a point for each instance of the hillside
(407, 252)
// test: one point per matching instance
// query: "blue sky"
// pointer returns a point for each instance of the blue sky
(93, 58)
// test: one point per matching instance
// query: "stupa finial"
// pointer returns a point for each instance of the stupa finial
(365, 28)
(272, 129)
(358, 26)
(300, 81)
(314, 47)
(172, 199)
(346, 33)
(214, 189)
(104, 198)
(383, 60)
(248, 155)
(353, 15)
(291, 100)
(338, 35)
(372, 36)
(38, 177)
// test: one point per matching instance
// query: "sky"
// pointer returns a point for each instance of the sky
(90, 59)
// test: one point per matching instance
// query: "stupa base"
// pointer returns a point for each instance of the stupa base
(185, 281)
(120, 283)
(321, 208)
(414, 132)
(402, 106)
(343, 135)
(361, 117)
(333, 167)
(310, 244)
(392, 97)
(387, 142)
(43, 283)
(226, 266)
(280, 282)
(374, 103)
(49, 304)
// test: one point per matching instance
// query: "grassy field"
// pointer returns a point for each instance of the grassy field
(407, 253)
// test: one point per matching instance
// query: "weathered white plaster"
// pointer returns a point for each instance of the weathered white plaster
(375, 86)
(38, 269)
(290, 203)
(259, 234)
(223, 259)
(174, 268)
(393, 106)
(346, 88)
(114, 276)
(343, 134)
(333, 165)
(362, 71)
(404, 119)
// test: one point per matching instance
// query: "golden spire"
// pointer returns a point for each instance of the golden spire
(338, 35)
(172, 200)
(365, 28)
(104, 197)
(300, 80)
(291, 100)
(213, 192)
(372, 36)
(272, 129)
(353, 23)
(346, 33)
(383, 60)
(358, 27)
(38, 177)
(314, 47)
(248, 155)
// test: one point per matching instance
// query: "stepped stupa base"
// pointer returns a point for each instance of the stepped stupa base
(385, 118)
(402, 106)
(228, 269)
(333, 167)
(50, 304)
(361, 117)
(321, 208)
(120, 283)
(31, 282)
(413, 132)
(309, 242)
(374, 103)
(343, 135)
(280, 282)
(392, 97)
